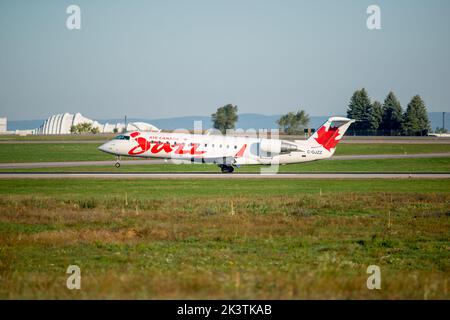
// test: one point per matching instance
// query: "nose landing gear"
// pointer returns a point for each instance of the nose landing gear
(117, 165)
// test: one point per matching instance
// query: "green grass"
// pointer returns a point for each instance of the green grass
(412, 165)
(250, 239)
(385, 148)
(156, 189)
(48, 152)
(44, 152)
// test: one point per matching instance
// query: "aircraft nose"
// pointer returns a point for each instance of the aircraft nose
(103, 147)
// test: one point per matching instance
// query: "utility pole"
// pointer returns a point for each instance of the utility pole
(125, 129)
(443, 122)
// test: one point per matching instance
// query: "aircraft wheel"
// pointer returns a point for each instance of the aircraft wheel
(227, 169)
(117, 164)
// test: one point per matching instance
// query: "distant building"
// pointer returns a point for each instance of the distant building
(3, 125)
(62, 123)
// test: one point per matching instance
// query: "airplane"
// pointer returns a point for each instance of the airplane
(228, 152)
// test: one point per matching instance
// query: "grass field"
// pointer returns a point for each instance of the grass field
(225, 239)
(37, 152)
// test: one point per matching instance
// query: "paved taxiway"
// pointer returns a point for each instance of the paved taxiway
(207, 175)
(62, 164)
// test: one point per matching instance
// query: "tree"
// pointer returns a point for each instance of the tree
(84, 127)
(377, 115)
(360, 109)
(292, 123)
(415, 119)
(283, 122)
(95, 130)
(392, 114)
(440, 130)
(225, 118)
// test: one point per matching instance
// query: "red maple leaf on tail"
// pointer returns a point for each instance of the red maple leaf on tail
(327, 139)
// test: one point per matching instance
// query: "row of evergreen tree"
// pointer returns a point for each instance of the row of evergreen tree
(374, 118)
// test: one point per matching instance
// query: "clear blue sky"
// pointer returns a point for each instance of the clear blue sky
(153, 59)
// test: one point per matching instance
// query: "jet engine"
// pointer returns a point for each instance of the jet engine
(277, 146)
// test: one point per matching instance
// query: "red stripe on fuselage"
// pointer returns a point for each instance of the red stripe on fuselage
(240, 153)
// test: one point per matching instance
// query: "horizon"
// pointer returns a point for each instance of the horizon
(162, 118)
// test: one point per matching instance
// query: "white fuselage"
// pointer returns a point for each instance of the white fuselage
(195, 147)
(229, 151)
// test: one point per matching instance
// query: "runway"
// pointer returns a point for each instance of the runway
(207, 175)
(62, 164)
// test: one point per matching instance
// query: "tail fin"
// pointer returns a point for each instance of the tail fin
(330, 133)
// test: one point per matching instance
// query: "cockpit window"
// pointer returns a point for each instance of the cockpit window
(122, 137)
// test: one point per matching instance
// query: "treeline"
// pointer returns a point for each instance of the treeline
(291, 123)
(84, 127)
(372, 118)
(389, 119)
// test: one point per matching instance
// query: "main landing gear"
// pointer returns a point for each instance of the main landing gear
(117, 165)
(226, 168)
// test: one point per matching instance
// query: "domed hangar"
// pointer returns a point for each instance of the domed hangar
(62, 123)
